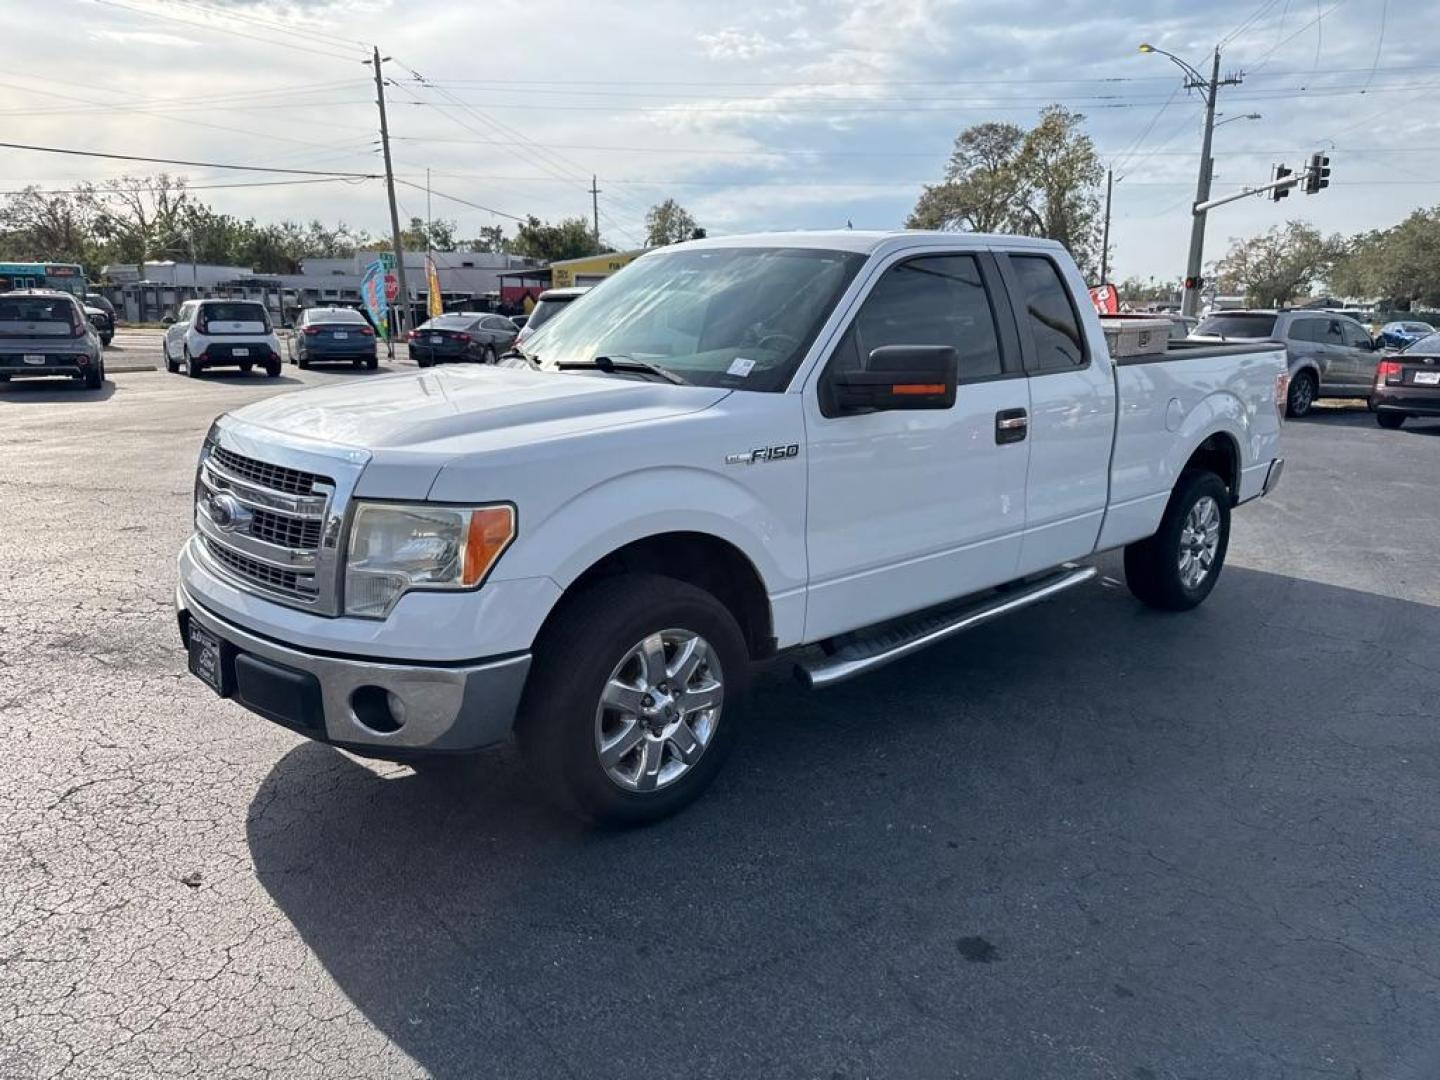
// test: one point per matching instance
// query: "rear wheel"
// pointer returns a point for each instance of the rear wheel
(94, 377)
(1304, 388)
(245, 369)
(634, 697)
(192, 366)
(170, 365)
(1175, 569)
(272, 369)
(1389, 420)
(372, 363)
(303, 362)
(423, 363)
(488, 357)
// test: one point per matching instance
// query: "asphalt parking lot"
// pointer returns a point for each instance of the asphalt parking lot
(1089, 841)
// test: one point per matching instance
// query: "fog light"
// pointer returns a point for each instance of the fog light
(378, 709)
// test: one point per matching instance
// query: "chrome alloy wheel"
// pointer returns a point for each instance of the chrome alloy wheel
(659, 710)
(1199, 541)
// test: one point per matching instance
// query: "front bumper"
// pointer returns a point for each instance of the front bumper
(443, 707)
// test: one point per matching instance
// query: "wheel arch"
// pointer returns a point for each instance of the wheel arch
(701, 559)
(1218, 453)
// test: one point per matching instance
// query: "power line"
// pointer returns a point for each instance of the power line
(462, 202)
(188, 187)
(336, 174)
(309, 50)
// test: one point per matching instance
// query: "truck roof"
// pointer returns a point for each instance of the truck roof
(869, 242)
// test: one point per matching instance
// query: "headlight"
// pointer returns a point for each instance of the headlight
(395, 548)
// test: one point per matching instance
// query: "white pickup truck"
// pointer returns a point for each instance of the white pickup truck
(842, 446)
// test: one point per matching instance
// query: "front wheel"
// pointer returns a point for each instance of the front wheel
(1175, 569)
(634, 698)
(1389, 420)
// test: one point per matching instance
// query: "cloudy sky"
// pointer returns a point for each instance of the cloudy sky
(775, 114)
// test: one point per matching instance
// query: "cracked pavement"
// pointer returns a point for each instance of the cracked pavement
(1088, 841)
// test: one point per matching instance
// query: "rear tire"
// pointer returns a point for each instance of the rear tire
(170, 365)
(604, 647)
(192, 367)
(94, 378)
(245, 369)
(1304, 388)
(372, 363)
(488, 357)
(1175, 569)
(303, 363)
(272, 369)
(1389, 420)
(423, 363)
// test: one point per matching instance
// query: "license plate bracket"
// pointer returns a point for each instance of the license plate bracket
(1427, 378)
(208, 659)
(239, 352)
(33, 358)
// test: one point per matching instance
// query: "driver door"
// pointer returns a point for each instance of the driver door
(906, 509)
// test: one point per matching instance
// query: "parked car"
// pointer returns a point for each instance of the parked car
(867, 443)
(1397, 335)
(45, 332)
(1407, 383)
(95, 299)
(221, 333)
(547, 305)
(332, 334)
(461, 337)
(102, 320)
(1330, 355)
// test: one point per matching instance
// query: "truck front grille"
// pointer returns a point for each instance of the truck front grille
(286, 531)
(291, 582)
(276, 477)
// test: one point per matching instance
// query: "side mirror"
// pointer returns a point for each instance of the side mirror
(168, 320)
(899, 377)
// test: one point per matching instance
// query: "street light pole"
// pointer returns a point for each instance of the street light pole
(1194, 264)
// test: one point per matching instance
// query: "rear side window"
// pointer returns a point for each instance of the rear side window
(1355, 336)
(1306, 330)
(1045, 305)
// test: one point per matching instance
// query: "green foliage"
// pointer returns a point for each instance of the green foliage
(570, 238)
(1279, 265)
(1041, 182)
(434, 236)
(668, 223)
(1133, 290)
(1400, 265)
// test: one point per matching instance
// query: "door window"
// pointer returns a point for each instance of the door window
(1045, 305)
(1307, 330)
(935, 300)
(1355, 337)
(1333, 334)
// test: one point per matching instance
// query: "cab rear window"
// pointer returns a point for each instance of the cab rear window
(1250, 325)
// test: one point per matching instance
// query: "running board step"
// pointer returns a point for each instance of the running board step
(865, 650)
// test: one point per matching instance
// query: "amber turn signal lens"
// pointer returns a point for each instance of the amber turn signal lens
(918, 388)
(491, 530)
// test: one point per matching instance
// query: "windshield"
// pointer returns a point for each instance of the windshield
(1427, 345)
(734, 317)
(1238, 324)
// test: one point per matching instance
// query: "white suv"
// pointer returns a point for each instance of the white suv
(221, 333)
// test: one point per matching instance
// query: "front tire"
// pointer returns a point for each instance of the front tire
(1175, 569)
(1389, 420)
(634, 698)
(1304, 388)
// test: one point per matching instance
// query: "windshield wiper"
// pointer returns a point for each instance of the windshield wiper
(609, 364)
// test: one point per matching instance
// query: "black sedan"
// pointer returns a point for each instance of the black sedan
(333, 335)
(461, 337)
(1407, 383)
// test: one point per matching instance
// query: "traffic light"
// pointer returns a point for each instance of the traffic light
(1317, 176)
(1279, 172)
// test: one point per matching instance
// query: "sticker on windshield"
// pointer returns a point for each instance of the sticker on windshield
(740, 366)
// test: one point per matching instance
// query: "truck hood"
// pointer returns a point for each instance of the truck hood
(443, 409)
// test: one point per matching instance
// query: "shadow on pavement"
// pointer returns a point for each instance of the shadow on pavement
(40, 391)
(1090, 840)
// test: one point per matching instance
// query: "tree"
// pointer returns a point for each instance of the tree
(569, 239)
(40, 226)
(143, 217)
(1400, 264)
(668, 223)
(1278, 265)
(1133, 290)
(490, 238)
(434, 235)
(1041, 182)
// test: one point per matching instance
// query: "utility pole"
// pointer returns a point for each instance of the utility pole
(404, 292)
(1194, 265)
(1105, 234)
(595, 206)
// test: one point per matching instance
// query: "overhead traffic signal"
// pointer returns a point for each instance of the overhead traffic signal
(1317, 175)
(1278, 173)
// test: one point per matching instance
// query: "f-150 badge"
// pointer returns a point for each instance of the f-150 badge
(764, 453)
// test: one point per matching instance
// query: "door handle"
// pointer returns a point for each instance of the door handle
(1011, 425)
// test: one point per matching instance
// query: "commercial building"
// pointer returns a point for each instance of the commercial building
(468, 279)
(520, 288)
